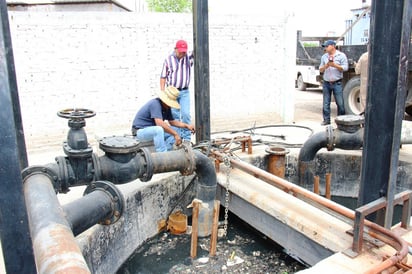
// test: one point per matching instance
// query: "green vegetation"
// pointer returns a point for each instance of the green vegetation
(170, 5)
(310, 44)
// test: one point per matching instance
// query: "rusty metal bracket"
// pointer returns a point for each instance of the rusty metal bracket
(245, 141)
(403, 198)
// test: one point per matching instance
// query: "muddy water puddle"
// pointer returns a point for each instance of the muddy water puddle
(242, 250)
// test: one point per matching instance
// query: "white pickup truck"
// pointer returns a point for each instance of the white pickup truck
(307, 76)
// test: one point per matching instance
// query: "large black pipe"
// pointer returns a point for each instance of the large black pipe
(14, 229)
(54, 244)
(206, 173)
(330, 139)
(87, 211)
(105, 203)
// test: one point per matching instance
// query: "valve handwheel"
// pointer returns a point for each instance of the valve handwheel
(76, 113)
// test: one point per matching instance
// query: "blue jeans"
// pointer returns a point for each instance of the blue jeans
(157, 134)
(183, 114)
(336, 88)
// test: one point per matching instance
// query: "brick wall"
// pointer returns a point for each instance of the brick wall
(110, 63)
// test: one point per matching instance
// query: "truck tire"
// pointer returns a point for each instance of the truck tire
(300, 84)
(408, 101)
(351, 96)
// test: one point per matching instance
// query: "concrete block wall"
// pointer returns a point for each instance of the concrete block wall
(110, 63)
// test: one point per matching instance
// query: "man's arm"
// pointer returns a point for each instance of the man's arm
(334, 65)
(323, 66)
(177, 123)
(163, 75)
(343, 63)
(162, 83)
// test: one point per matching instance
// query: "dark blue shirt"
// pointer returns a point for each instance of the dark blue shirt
(151, 110)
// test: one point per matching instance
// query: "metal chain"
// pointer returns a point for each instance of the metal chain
(226, 161)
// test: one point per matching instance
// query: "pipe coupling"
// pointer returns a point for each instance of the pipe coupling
(330, 138)
(190, 157)
(148, 174)
(31, 170)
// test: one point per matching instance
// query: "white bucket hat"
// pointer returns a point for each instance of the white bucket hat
(169, 97)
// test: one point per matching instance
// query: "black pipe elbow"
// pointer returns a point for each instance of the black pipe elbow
(205, 170)
(330, 139)
(312, 146)
(348, 135)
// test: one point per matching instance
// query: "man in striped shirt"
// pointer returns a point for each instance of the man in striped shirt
(176, 72)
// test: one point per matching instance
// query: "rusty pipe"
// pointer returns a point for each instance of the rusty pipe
(402, 250)
(54, 245)
(276, 160)
(346, 212)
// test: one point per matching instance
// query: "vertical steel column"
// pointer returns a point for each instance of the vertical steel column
(389, 38)
(14, 228)
(202, 85)
(402, 90)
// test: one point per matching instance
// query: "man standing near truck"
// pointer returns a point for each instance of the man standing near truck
(332, 64)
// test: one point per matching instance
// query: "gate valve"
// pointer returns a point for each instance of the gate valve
(76, 145)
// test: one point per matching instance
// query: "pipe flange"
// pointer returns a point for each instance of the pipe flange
(77, 153)
(147, 176)
(97, 170)
(190, 156)
(350, 123)
(31, 170)
(64, 174)
(274, 150)
(115, 195)
(330, 138)
(118, 144)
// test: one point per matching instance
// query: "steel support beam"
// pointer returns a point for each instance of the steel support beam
(296, 244)
(14, 226)
(202, 76)
(389, 39)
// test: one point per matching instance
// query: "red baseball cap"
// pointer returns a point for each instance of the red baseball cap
(181, 46)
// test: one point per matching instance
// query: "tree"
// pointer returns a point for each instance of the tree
(170, 5)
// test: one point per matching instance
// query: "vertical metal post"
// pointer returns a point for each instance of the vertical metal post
(328, 180)
(14, 227)
(201, 69)
(195, 228)
(402, 89)
(215, 224)
(390, 27)
(316, 184)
